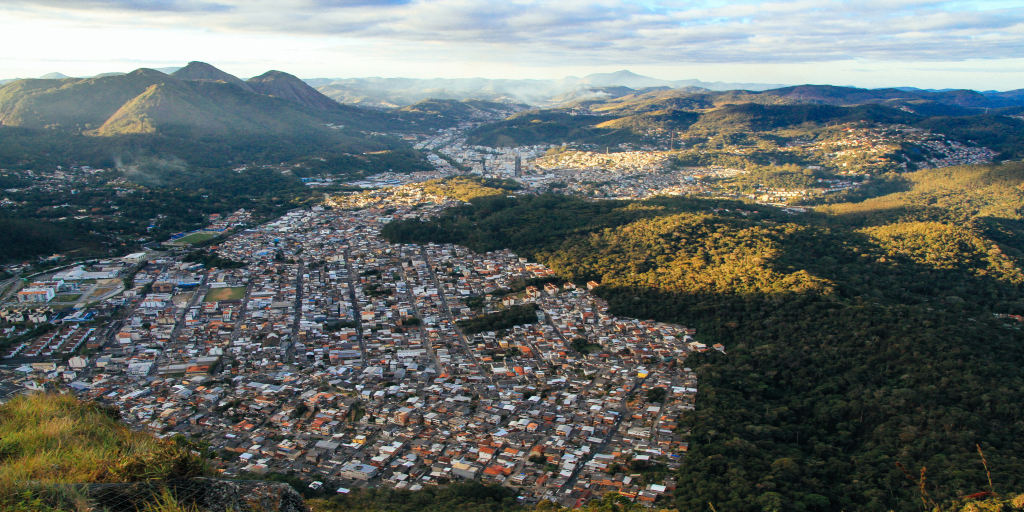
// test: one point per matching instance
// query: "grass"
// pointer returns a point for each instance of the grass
(52, 439)
(195, 238)
(219, 294)
(99, 292)
(67, 297)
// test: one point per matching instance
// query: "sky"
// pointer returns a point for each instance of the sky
(863, 43)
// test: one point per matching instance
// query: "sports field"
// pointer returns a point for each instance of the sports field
(219, 294)
(195, 238)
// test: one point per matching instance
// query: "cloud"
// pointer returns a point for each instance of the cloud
(599, 32)
(180, 6)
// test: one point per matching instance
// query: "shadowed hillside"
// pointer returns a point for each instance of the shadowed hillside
(852, 345)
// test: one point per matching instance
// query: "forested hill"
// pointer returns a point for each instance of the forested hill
(200, 115)
(964, 116)
(856, 339)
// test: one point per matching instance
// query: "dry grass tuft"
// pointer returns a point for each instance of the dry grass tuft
(49, 439)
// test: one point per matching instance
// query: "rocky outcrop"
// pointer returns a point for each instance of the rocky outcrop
(201, 494)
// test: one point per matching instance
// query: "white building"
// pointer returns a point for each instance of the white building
(36, 295)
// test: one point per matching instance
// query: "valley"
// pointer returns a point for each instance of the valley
(759, 299)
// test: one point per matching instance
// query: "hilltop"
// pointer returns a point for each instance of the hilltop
(196, 70)
(279, 84)
(397, 92)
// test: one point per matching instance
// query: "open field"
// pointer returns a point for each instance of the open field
(181, 300)
(195, 238)
(219, 294)
(67, 297)
(101, 291)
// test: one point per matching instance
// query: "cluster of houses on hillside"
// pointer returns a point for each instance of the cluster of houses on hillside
(338, 355)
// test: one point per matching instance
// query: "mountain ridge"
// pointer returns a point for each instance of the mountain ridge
(289, 87)
(196, 70)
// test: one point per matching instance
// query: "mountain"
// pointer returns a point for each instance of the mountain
(912, 100)
(198, 99)
(444, 113)
(393, 92)
(632, 80)
(288, 87)
(205, 109)
(1015, 95)
(634, 125)
(210, 119)
(202, 71)
(72, 104)
(54, 76)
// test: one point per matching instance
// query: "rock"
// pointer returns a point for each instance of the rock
(204, 494)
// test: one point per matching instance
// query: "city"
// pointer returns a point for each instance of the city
(338, 356)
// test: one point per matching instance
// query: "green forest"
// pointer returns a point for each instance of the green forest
(859, 337)
(465, 188)
(119, 215)
(504, 319)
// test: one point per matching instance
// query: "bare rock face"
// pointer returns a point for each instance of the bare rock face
(203, 494)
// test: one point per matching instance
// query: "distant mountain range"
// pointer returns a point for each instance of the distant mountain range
(395, 92)
(201, 110)
(387, 93)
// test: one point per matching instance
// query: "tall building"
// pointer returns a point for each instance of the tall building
(519, 166)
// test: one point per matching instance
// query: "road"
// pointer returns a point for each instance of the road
(180, 320)
(422, 328)
(451, 319)
(623, 412)
(235, 331)
(568, 344)
(9, 287)
(357, 311)
(289, 354)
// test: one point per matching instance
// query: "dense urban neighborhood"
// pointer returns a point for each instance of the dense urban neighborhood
(337, 355)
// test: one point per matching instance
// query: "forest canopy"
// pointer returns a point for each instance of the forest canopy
(866, 335)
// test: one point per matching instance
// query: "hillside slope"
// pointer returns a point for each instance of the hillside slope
(288, 87)
(72, 105)
(196, 70)
(55, 439)
(201, 116)
(59, 454)
(854, 342)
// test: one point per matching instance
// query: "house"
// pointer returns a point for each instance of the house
(357, 471)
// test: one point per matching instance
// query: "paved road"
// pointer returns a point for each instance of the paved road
(623, 412)
(451, 318)
(180, 320)
(411, 297)
(357, 311)
(241, 312)
(9, 288)
(289, 354)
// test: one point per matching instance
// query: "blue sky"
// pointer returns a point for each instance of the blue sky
(867, 43)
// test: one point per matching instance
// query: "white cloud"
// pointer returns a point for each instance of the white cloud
(538, 33)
